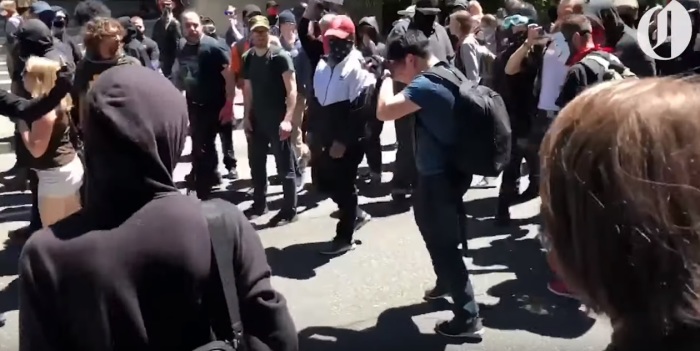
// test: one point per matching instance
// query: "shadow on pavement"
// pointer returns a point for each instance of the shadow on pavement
(298, 261)
(9, 265)
(395, 330)
(525, 303)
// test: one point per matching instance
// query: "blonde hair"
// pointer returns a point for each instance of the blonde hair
(8, 5)
(40, 78)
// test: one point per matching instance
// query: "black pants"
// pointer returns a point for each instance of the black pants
(336, 177)
(260, 142)
(226, 136)
(204, 125)
(441, 220)
(35, 219)
(373, 145)
(511, 175)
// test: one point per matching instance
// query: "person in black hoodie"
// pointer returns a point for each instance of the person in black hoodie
(87, 10)
(58, 27)
(132, 46)
(131, 271)
(149, 44)
(167, 33)
(371, 47)
(34, 38)
(610, 31)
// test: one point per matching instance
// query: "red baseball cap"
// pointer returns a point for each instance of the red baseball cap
(340, 27)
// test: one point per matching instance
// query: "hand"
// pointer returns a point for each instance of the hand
(285, 130)
(226, 113)
(534, 35)
(337, 150)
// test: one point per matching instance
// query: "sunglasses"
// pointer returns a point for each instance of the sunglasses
(228, 13)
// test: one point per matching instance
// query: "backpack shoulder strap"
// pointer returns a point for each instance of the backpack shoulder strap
(597, 59)
(447, 73)
(220, 224)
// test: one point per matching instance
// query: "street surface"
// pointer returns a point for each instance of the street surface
(370, 298)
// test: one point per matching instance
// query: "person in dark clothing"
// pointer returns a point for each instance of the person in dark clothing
(167, 33)
(516, 91)
(610, 31)
(58, 27)
(139, 250)
(103, 50)
(372, 48)
(34, 38)
(440, 46)
(437, 201)
(344, 108)
(233, 34)
(268, 71)
(201, 61)
(132, 46)
(226, 129)
(576, 38)
(149, 44)
(86, 10)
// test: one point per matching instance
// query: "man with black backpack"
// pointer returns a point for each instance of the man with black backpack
(433, 94)
(589, 63)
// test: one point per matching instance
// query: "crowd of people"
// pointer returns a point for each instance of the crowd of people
(113, 247)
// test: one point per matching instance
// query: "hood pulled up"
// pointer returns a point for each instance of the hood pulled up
(132, 141)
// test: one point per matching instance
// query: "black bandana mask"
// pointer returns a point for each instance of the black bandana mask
(339, 50)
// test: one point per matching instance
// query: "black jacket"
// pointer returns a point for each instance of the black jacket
(167, 35)
(131, 270)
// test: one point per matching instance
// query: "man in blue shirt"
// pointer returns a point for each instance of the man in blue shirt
(438, 208)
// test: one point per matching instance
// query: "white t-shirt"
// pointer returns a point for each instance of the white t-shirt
(553, 77)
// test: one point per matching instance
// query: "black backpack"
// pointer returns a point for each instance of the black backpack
(483, 141)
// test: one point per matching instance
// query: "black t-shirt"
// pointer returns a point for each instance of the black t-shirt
(199, 70)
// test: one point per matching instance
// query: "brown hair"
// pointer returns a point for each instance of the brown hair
(620, 188)
(102, 28)
(464, 20)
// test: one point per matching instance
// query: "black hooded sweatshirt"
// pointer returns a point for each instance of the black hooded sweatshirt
(128, 272)
(377, 48)
(34, 38)
(70, 43)
(132, 46)
(620, 37)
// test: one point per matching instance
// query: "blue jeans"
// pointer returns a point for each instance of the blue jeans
(441, 220)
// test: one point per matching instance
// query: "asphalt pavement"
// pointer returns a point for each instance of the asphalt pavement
(370, 298)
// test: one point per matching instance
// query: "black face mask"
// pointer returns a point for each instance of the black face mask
(59, 23)
(339, 50)
(272, 20)
(424, 22)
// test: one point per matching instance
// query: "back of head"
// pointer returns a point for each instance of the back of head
(40, 77)
(621, 200)
(34, 38)
(87, 10)
(132, 141)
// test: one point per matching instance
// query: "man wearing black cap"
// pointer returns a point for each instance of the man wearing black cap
(302, 67)
(440, 46)
(132, 46)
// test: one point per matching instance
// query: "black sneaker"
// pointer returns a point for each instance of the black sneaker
(338, 247)
(362, 219)
(255, 211)
(436, 293)
(283, 218)
(459, 328)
